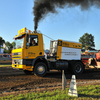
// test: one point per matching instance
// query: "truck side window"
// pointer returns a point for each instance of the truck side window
(33, 40)
(27, 40)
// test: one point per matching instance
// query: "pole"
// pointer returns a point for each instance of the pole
(64, 83)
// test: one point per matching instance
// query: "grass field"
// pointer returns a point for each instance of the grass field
(89, 92)
(5, 65)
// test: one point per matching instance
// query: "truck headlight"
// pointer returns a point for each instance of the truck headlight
(19, 53)
(20, 61)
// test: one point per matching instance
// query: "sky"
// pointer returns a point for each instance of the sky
(68, 24)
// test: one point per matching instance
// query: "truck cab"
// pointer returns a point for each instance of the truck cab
(25, 51)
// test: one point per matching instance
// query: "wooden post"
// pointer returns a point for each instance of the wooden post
(64, 83)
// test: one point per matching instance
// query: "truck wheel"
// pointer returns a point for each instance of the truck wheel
(40, 69)
(27, 72)
(78, 68)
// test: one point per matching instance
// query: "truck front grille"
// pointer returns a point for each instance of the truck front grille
(16, 55)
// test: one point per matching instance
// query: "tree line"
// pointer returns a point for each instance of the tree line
(87, 41)
(8, 45)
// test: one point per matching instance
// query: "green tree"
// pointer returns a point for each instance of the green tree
(9, 46)
(87, 41)
(1, 42)
(6, 51)
(13, 43)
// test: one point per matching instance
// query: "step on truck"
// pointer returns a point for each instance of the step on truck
(28, 54)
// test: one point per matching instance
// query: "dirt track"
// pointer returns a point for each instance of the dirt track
(5, 62)
(14, 80)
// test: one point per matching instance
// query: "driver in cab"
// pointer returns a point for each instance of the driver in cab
(33, 43)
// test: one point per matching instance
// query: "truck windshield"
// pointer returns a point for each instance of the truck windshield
(19, 42)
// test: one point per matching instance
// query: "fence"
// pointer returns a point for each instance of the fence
(5, 56)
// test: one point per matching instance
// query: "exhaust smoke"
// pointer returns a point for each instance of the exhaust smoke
(43, 7)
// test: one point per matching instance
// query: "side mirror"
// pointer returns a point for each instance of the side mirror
(29, 41)
(27, 44)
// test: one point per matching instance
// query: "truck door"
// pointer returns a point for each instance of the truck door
(32, 47)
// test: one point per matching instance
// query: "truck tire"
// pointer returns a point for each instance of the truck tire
(40, 69)
(27, 72)
(78, 68)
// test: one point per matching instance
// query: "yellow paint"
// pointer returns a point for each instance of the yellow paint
(72, 45)
(17, 51)
(20, 32)
(24, 67)
(69, 44)
(30, 52)
(19, 35)
(59, 49)
(33, 51)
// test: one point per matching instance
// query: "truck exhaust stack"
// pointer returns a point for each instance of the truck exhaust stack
(35, 31)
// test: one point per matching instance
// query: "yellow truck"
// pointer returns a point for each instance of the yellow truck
(28, 54)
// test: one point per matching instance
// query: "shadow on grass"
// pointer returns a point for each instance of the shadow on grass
(93, 96)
